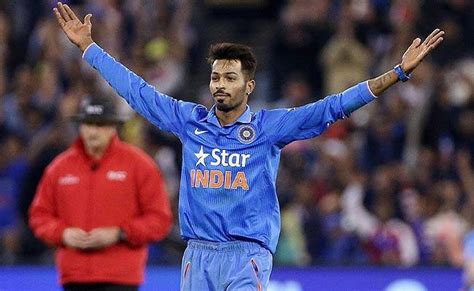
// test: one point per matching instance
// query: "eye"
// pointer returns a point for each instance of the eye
(231, 79)
(214, 78)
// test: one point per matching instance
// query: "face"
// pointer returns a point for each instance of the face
(229, 86)
(96, 137)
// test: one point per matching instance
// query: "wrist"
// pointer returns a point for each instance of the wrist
(85, 44)
(404, 67)
(402, 74)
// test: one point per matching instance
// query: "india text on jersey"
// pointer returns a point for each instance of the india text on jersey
(216, 178)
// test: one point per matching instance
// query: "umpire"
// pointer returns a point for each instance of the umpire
(100, 203)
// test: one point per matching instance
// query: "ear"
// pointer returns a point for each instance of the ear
(250, 86)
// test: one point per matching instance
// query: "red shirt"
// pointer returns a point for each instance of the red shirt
(122, 189)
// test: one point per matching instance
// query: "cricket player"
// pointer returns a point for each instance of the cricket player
(228, 208)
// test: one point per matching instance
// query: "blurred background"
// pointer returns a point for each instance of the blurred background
(393, 186)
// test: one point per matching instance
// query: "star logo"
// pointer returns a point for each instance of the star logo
(201, 157)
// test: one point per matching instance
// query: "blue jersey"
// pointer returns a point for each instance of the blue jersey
(228, 177)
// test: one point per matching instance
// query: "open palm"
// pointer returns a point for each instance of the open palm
(418, 50)
(78, 33)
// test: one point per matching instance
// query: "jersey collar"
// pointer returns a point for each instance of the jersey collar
(246, 117)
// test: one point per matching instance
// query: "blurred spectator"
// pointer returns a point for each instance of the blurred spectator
(296, 92)
(445, 230)
(384, 140)
(17, 106)
(467, 178)
(387, 240)
(13, 167)
(301, 33)
(345, 59)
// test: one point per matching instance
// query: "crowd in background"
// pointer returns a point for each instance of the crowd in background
(392, 185)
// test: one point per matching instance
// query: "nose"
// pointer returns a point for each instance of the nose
(220, 85)
(95, 129)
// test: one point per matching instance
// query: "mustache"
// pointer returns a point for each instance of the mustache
(220, 92)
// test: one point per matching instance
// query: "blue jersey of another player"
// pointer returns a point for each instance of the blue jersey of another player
(228, 176)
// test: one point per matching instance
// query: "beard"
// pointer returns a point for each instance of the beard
(221, 105)
(225, 107)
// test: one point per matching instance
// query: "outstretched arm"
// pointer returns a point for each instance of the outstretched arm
(413, 56)
(312, 119)
(165, 112)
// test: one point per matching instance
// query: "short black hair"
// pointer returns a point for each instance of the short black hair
(234, 51)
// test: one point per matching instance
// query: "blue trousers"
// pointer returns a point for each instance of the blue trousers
(225, 266)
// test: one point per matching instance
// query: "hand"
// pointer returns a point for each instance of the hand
(78, 33)
(102, 237)
(74, 237)
(418, 50)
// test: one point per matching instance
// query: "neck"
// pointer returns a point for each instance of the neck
(95, 153)
(228, 117)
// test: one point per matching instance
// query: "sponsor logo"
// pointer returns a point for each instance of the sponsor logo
(217, 178)
(222, 157)
(68, 180)
(116, 175)
(246, 134)
(199, 132)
